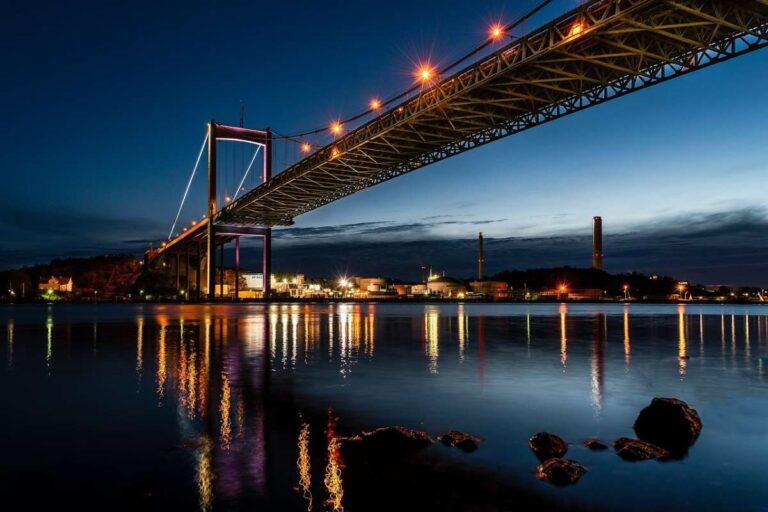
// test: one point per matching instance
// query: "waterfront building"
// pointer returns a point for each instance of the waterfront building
(60, 284)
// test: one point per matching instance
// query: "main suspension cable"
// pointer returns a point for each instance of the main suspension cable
(189, 184)
(414, 88)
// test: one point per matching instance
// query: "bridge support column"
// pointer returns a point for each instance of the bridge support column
(187, 282)
(199, 290)
(237, 269)
(267, 246)
(221, 271)
(211, 252)
(178, 272)
(267, 263)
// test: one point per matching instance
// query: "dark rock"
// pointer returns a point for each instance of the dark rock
(669, 423)
(547, 446)
(634, 449)
(560, 471)
(460, 440)
(595, 444)
(398, 439)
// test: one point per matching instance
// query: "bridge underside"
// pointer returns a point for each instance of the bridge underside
(603, 50)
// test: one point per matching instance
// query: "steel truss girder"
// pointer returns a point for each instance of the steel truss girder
(627, 45)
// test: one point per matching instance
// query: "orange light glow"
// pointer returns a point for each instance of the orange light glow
(563, 288)
(576, 30)
(425, 73)
(375, 104)
(334, 152)
(306, 147)
(336, 128)
(227, 199)
(496, 32)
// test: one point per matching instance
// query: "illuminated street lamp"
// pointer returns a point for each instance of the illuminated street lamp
(576, 30)
(425, 73)
(496, 32)
(626, 292)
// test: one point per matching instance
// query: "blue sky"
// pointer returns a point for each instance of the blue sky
(105, 107)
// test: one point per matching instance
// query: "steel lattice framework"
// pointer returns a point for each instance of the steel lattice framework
(600, 51)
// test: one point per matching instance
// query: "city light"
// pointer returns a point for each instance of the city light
(227, 198)
(334, 153)
(343, 282)
(336, 128)
(496, 32)
(306, 147)
(375, 104)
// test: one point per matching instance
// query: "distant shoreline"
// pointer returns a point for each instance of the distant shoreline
(289, 300)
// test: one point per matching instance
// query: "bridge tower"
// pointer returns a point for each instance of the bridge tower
(218, 233)
(210, 252)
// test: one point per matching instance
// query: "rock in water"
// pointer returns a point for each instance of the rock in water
(634, 449)
(560, 471)
(595, 444)
(547, 446)
(397, 439)
(669, 423)
(460, 440)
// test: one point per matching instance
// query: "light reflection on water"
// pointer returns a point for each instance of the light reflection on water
(234, 388)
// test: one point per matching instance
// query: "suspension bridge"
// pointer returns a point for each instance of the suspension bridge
(602, 50)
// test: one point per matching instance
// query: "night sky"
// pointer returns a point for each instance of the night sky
(105, 106)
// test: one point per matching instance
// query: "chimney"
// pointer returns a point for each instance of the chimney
(597, 243)
(480, 257)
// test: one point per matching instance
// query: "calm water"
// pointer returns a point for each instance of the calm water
(227, 407)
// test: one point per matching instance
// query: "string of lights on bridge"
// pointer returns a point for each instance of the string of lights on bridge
(425, 76)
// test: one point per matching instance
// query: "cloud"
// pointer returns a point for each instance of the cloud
(41, 234)
(728, 247)
(371, 231)
(711, 247)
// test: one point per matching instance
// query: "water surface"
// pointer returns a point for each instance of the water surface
(239, 407)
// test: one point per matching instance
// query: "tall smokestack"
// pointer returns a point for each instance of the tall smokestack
(480, 257)
(597, 243)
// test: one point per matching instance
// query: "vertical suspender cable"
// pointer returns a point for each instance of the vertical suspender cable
(189, 184)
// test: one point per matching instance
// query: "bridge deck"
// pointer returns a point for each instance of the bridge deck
(600, 51)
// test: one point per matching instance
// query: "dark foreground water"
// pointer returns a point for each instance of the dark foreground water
(238, 407)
